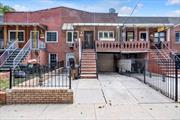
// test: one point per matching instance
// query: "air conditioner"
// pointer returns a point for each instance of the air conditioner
(71, 45)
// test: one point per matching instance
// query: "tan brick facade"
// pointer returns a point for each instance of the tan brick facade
(39, 96)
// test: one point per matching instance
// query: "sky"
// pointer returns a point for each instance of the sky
(122, 7)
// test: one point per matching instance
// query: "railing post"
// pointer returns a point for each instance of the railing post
(145, 71)
(70, 78)
(10, 80)
(176, 79)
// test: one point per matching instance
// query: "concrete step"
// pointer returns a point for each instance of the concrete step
(88, 68)
(86, 76)
(88, 50)
(88, 57)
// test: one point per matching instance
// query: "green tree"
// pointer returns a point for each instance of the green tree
(5, 8)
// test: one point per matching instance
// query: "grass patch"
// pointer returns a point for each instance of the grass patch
(4, 84)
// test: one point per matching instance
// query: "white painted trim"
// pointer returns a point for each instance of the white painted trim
(168, 34)
(49, 57)
(72, 36)
(51, 41)
(67, 57)
(146, 35)
(106, 39)
(72, 32)
(16, 31)
(175, 37)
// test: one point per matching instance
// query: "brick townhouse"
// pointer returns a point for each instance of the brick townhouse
(96, 41)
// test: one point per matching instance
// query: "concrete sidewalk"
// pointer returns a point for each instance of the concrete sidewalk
(111, 97)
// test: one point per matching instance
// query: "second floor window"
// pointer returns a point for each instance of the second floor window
(12, 35)
(106, 35)
(161, 36)
(177, 36)
(71, 36)
(143, 36)
(130, 36)
(51, 36)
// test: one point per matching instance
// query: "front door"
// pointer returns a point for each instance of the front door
(88, 39)
(34, 39)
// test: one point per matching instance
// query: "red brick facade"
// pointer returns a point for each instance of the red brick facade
(55, 18)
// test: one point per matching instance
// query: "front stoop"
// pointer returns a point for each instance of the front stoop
(88, 64)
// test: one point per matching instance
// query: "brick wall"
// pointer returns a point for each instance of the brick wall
(2, 97)
(39, 96)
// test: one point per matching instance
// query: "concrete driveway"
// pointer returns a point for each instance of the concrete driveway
(112, 97)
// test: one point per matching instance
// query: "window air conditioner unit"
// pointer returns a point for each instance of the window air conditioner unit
(71, 45)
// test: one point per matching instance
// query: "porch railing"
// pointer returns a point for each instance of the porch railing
(8, 52)
(22, 53)
(117, 46)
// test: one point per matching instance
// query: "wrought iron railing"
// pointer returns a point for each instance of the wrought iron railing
(21, 54)
(149, 72)
(172, 53)
(8, 52)
(36, 75)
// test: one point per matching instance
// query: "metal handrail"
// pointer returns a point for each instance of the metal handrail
(171, 51)
(8, 52)
(160, 52)
(23, 51)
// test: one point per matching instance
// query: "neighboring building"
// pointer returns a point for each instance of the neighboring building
(61, 33)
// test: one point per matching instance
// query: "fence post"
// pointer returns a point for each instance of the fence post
(70, 78)
(144, 70)
(10, 80)
(176, 79)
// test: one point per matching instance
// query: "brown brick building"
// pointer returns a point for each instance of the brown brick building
(62, 33)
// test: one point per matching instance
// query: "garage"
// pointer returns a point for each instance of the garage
(106, 62)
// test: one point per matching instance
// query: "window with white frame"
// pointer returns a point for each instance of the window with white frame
(159, 36)
(51, 36)
(106, 35)
(143, 35)
(177, 36)
(12, 35)
(71, 36)
(52, 58)
(68, 56)
(129, 35)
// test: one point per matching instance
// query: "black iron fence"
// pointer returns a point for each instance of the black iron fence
(34, 75)
(162, 75)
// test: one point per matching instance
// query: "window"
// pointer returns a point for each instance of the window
(106, 35)
(51, 36)
(161, 36)
(52, 59)
(71, 36)
(143, 36)
(177, 36)
(12, 35)
(130, 36)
